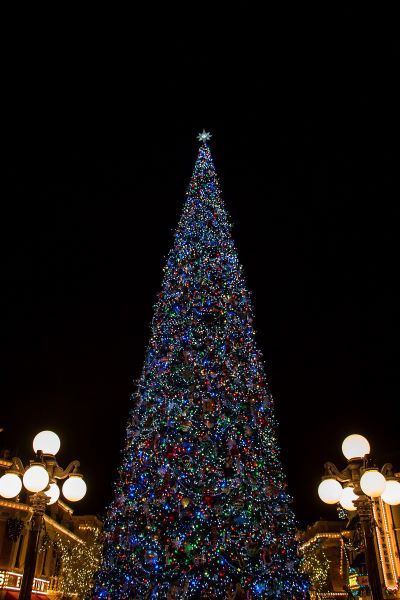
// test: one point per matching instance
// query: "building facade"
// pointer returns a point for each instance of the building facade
(333, 552)
(63, 533)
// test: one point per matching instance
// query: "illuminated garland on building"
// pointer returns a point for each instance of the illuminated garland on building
(79, 562)
(304, 548)
(388, 556)
(315, 564)
(201, 508)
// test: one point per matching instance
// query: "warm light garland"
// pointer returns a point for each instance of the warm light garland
(332, 595)
(62, 529)
(384, 539)
(316, 564)
(79, 562)
(15, 505)
(343, 555)
(201, 505)
(319, 536)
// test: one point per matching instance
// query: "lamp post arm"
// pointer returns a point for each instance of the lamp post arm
(73, 467)
(17, 465)
(387, 470)
(332, 470)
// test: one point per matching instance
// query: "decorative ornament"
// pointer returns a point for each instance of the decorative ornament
(14, 528)
(253, 549)
(46, 543)
(208, 406)
(186, 425)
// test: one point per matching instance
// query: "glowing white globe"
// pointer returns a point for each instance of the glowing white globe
(347, 498)
(47, 441)
(10, 485)
(329, 490)
(74, 488)
(53, 493)
(355, 446)
(391, 495)
(36, 478)
(373, 483)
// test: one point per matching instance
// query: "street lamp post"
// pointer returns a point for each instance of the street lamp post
(39, 479)
(361, 484)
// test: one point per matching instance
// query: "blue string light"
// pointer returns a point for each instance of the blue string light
(203, 416)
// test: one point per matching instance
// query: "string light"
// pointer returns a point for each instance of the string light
(200, 505)
(333, 595)
(316, 564)
(318, 536)
(79, 562)
(310, 545)
(390, 586)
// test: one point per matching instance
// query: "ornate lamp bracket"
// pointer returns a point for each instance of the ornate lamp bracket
(331, 470)
(387, 470)
(17, 465)
(73, 467)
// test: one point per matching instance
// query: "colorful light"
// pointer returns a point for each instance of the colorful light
(200, 503)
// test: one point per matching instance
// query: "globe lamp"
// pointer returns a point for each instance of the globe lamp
(53, 493)
(10, 485)
(329, 490)
(373, 483)
(47, 441)
(347, 498)
(36, 478)
(355, 446)
(391, 495)
(74, 488)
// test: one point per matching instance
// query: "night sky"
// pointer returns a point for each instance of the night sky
(100, 147)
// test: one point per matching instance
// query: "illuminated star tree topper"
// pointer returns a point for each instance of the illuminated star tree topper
(204, 136)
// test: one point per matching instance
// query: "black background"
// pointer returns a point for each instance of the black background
(100, 142)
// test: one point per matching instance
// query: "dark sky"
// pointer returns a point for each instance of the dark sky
(101, 142)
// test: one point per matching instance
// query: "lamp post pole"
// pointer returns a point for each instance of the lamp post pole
(355, 468)
(366, 520)
(39, 501)
(362, 485)
(39, 478)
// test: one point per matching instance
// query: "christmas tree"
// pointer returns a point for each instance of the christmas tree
(201, 508)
